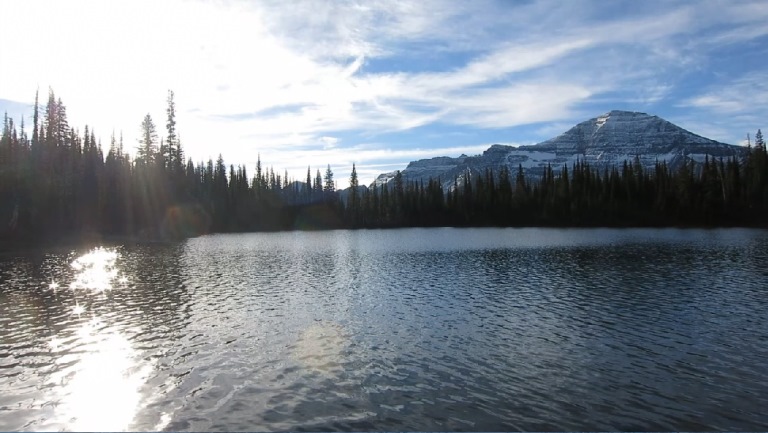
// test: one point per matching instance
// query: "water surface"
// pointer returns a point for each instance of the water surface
(417, 329)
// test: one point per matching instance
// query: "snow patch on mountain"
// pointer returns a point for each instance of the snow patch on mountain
(604, 142)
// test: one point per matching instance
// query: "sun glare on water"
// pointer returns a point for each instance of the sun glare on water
(320, 348)
(96, 270)
(78, 310)
(101, 390)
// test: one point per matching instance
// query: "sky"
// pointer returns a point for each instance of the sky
(381, 83)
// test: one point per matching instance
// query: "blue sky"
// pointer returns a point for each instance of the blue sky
(381, 83)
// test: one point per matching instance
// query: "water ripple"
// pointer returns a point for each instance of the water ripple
(424, 329)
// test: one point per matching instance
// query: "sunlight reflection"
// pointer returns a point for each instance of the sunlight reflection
(165, 419)
(78, 310)
(101, 392)
(98, 385)
(95, 270)
(320, 347)
(55, 343)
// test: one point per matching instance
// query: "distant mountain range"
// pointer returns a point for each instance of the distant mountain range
(604, 141)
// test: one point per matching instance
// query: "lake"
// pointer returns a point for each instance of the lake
(413, 329)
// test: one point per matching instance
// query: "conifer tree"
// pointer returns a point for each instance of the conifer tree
(35, 122)
(330, 186)
(354, 197)
(175, 155)
(258, 177)
(318, 184)
(308, 188)
(147, 150)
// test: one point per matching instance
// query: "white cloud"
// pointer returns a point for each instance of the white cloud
(744, 93)
(329, 142)
(286, 79)
(734, 108)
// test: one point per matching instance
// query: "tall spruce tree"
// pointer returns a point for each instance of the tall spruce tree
(147, 151)
(354, 196)
(175, 155)
(318, 184)
(330, 186)
(308, 187)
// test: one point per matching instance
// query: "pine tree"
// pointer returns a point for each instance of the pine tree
(520, 186)
(399, 190)
(147, 150)
(330, 186)
(354, 197)
(36, 122)
(259, 177)
(318, 184)
(175, 157)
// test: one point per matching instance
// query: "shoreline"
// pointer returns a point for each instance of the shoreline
(17, 245)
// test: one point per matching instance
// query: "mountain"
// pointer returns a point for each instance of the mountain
(604, 142)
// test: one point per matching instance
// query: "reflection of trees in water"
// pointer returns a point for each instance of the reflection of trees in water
(616, 276)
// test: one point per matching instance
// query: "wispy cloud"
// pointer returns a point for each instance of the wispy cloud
(289, 79)
(733, 108)
(744, 93)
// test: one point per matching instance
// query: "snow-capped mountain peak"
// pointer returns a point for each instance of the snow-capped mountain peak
(604, 141)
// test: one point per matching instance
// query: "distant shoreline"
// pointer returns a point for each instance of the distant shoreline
(94, 240)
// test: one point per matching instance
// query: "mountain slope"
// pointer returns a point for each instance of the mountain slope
(604, 141)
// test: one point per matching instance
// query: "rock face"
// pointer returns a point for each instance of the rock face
(604, 142)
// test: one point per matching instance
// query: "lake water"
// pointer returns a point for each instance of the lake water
(416, 329)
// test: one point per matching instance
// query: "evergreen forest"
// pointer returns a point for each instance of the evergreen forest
(56, 182)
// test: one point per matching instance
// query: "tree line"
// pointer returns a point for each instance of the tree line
(716, 192)
(56, 181)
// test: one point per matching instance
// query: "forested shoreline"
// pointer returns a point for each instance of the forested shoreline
(55, 182)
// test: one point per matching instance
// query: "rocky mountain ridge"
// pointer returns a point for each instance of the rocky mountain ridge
(604, 142)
